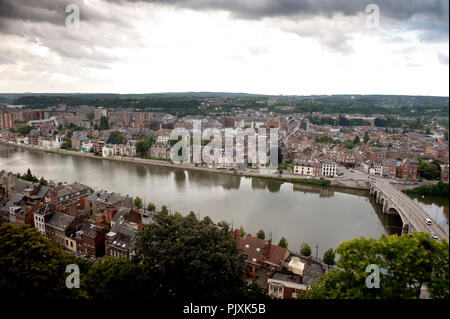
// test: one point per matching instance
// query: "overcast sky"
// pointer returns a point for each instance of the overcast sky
(256, 46)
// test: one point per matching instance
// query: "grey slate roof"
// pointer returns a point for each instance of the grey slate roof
(60, 221)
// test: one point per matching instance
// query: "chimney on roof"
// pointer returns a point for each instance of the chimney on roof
(11, 183)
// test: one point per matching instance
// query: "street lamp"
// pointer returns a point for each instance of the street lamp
(317, 250)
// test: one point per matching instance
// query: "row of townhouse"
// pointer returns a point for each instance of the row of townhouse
(128, 149)
(48, 143)
(315, 168)
(406, 168)
(76, 218)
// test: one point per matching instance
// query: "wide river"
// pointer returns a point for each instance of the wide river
(320, 216)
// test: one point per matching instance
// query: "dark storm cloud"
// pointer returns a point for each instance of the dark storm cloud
(428, 17)
(44, 22)
(256, 9)
(49, 11)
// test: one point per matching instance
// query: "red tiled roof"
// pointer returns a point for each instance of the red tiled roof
(255, 247)
(276, 254)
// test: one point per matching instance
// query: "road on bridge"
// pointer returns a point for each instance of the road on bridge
(412, 211)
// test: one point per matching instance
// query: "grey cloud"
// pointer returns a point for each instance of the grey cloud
(43, 22)
(443, 58)
(50, 11)
(397, 9)
(429, 18)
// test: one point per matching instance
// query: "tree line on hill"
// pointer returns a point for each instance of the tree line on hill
(188, 104)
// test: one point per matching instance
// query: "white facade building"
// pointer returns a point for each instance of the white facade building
(329, 169)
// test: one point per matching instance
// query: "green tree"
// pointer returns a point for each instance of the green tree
(43, 182)
(439, 189)
(349, 144)
(32, 265)
(242, 231)
(104, 123)
(24, 130)
(188, 258)
(329, 256)
(429, 170)
(114, 278)
(260, 234)
(407, 263)
(356, 140)
(143, 146)
(164, 209)
(116, 137)
(151, 207)
(66, 145)
(140, 148)
(177, 214)
(305, 250)
(283, 242)
(28, 176)
(366, 137)
(138, 202)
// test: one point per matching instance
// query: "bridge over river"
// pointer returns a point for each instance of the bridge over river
(413, 216)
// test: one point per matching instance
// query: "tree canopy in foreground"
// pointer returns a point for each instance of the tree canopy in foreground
(188, 258)
(406, 263)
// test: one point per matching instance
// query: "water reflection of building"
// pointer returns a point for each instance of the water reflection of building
(270, 185)
(180, 178)
(231, 182)
(259, 183)
(210, 179)
(322, 191)
(274, 186)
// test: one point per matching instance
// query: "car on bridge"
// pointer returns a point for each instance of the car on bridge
(428, 221)
(434, 236)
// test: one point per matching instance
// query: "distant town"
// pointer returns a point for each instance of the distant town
(310, 144)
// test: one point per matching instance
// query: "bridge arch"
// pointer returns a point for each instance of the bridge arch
(393, 210)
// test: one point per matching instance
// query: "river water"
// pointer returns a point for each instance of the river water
(436, 207)
(322, 216)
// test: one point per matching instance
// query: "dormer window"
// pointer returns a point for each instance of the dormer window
(247, 246)
(258, 249)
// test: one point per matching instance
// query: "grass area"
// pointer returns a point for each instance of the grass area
(154, 158)
(318, 182)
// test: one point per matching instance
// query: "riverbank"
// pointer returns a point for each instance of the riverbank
(286, 177)
(440, 189)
